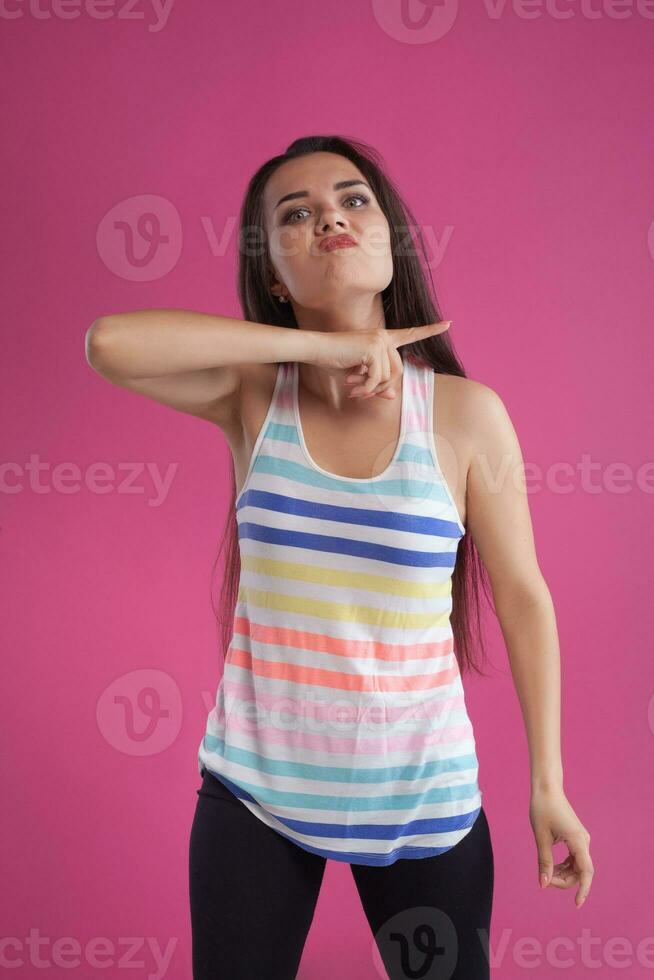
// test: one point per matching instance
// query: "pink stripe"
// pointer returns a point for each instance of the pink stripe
(415, 422)
(285, 399)
(416, 388)
(334, 744)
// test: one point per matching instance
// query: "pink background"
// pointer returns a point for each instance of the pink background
(524, 145)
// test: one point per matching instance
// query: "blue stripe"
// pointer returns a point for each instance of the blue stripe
(414, 523)
(346, 546)
(371, 831)
(365, 831)
(365, 857)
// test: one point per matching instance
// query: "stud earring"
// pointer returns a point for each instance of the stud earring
(282, 299)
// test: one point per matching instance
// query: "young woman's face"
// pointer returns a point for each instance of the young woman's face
(318, 210)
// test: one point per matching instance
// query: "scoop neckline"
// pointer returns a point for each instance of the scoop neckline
(335, 476)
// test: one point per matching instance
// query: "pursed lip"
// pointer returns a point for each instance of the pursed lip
(336, 241)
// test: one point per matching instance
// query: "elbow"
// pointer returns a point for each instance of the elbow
(522, 594)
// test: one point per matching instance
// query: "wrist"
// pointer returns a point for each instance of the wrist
(547, 781)
(304, 346)
(312, 346)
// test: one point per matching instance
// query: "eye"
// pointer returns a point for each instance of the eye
(359, 197)
(290, 215)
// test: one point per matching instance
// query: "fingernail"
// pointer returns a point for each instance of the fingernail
(543, 881)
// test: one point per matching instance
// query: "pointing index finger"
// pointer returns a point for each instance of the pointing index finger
(409, 335)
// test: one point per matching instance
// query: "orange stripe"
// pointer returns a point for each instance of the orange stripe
(317, 676)
(319, 643)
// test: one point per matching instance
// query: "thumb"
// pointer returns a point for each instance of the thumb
(409, 335)
(545, 861)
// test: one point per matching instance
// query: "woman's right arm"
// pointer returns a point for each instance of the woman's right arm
(191, 361)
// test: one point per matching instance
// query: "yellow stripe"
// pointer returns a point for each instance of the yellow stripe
(340, 611)
(350, 580)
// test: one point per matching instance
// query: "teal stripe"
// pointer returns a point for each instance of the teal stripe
(337, 774)
(427, 489)
(282, 433)
(410, 452)
(362, 804)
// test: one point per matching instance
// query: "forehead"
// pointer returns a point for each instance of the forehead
(313, 172)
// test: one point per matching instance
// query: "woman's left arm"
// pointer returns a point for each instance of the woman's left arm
(499, 522)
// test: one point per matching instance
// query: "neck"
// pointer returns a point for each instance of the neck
(362, 311)
(359, 312)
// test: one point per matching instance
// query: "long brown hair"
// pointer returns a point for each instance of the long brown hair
(407, 301)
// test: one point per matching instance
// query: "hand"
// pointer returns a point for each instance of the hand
(553, 819)
(372, 353)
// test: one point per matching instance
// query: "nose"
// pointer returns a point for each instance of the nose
(331, 218)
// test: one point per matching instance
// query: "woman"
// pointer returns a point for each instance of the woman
(340, 728)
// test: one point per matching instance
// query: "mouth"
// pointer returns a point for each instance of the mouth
(336, 241)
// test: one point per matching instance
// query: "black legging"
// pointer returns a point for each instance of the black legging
(253, 894)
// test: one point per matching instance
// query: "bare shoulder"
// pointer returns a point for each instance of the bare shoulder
(468, 392)
(475, 418)
(474, 409)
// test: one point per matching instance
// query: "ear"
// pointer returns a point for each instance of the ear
(279, 290)
(274, 285)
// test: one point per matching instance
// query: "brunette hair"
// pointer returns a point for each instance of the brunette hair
(407, 301)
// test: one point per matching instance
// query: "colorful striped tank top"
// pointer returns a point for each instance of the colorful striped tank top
(340, 719)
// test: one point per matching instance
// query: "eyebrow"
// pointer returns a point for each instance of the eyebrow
(337, 187)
